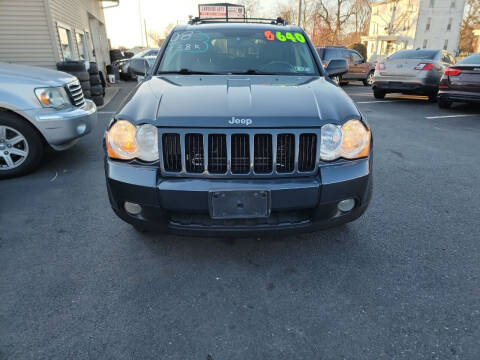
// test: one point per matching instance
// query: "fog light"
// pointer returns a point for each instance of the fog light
(81, 129)
(132, 208)
(346, 205)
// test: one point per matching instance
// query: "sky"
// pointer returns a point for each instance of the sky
(125, 23)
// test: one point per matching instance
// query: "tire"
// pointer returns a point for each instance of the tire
(444, 104)
(379, 94)
(82, 76)
(85, 85)
(95, 80)
(98, 100)
(87, 94)
(343, 83)
(368, 81)
(71, 66)
(432, 97)
(31, 144)
(97, 90)
(93, 69)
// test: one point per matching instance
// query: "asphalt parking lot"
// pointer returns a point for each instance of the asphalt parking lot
(402, 282)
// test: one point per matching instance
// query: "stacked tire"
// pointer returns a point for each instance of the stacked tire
(97, 86)
(79, 70)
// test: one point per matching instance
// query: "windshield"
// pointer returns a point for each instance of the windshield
(414, 54)
(227, 51)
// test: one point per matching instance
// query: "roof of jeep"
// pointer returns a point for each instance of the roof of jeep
(237, 25)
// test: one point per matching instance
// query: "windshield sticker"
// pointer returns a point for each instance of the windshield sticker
(283, 37)
(302, 69)
(190, 41)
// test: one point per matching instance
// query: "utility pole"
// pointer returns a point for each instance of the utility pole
(299, 12)
(146, 35)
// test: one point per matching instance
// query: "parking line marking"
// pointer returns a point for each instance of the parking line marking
(377, 101)
(106, 112)
(449, 116)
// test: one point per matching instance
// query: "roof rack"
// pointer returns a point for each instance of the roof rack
(197, 20)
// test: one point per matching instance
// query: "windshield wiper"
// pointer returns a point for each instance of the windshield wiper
(187, 72)
(252, 72)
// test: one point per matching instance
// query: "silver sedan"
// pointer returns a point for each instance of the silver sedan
(411, 72)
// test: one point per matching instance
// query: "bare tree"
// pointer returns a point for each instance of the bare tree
(471, 21)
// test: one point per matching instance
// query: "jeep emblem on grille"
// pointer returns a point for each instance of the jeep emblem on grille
(236, 121)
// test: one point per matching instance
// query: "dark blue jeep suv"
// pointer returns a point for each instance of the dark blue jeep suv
(237, 129)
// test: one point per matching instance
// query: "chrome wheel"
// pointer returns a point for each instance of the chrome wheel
(370, 79)
(13, 148)
(336, 79)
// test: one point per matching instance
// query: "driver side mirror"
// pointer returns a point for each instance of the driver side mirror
(337, 67)
(139, 67)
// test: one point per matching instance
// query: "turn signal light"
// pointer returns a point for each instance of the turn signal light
(380, 66)
(452, 72)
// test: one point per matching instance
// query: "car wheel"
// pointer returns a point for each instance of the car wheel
(369, 80)
(379, 94)
(21, 147)
(444, 104)
(432, 97)
(87, 94)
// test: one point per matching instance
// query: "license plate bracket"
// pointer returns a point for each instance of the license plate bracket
(239, 204)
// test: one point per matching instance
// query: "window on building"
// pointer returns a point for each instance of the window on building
(453, 4)
(82, 46)
(445, 44)
(425, 43)
(432, 3)
(65, 37)
(449, 26)
(427, 27)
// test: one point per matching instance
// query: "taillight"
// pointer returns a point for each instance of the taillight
(452, 72)
(380, 66)
(424, 66)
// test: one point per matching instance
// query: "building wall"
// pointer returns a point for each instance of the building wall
(83, 16)
(25, 34)
(440, 15)
(409, 29)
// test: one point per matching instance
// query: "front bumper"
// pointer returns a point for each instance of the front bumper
(62, 128)
(181, 205)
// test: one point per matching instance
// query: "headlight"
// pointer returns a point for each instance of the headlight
(127, 141)
(55, 97)
(350, 141)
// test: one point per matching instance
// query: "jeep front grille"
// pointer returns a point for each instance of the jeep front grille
(75, 93)
(239, 152)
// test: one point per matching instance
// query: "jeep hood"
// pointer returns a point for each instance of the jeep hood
(212, 101)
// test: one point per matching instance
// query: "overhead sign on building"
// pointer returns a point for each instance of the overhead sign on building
(221, 11)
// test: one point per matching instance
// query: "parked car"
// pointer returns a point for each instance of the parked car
(460, 82)
(358, 67)
(124, 64)
(237, 130)
(411, 72)
(39, 107)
